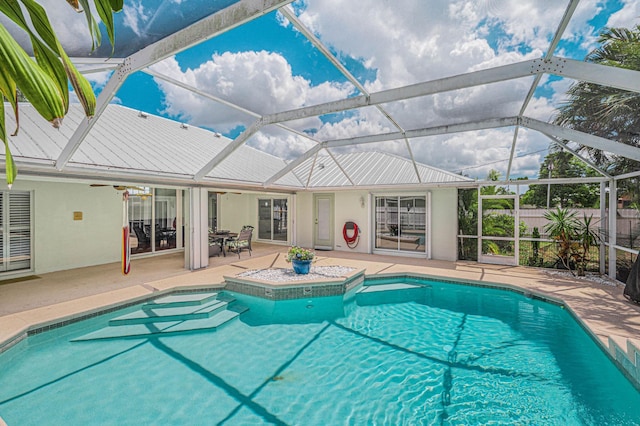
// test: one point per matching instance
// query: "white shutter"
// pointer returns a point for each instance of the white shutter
(17, 252)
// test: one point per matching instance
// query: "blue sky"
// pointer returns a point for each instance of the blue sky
(267, 66)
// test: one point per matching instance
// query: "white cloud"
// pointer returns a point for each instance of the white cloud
(540, 109)
(627, 17)
(135, 16)
(261, 82)
(472, 153)
(475, 153)
(98, 79)
(401, 43)
(280, 143)
(407, 41)
(70, 27)
(579, 30)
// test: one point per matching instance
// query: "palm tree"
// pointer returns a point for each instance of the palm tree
(605, 111)
(44, 81)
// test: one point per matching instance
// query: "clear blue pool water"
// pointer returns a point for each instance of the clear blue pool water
(445, 354)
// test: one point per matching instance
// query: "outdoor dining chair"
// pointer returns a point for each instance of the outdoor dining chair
(242, 241)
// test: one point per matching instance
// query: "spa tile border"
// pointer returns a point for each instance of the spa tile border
(293, 290)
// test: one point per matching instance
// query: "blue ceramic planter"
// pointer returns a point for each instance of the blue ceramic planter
(301, 266)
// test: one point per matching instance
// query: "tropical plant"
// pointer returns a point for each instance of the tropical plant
(561, 226)
(467, 223)
(299, 253)
(493, 224)
(574, 238)
(606, 111)
(44, 81)
(586, 237)
(494, 176)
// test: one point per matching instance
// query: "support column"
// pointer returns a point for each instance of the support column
(293, 222)
(198, 237)
(428, 226)
(603, 215)
(613, 212)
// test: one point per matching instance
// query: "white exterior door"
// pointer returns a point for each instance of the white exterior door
(323, 221)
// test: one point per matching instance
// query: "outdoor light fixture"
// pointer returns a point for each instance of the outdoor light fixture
(142, 114)
(361, 201)
(184, 126)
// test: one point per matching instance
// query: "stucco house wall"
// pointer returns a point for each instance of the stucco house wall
(237, 210)
(444, 224)
(304, 226)
(60, 242)
(348, 206)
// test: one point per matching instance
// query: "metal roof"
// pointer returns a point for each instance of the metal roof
(368, 169)
(126, 141)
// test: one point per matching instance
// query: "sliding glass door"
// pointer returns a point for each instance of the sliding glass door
(140, 219)
(166, 218)
(155, 220)
(401, 223)
(273, 219)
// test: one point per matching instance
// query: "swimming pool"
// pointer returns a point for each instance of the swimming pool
(416, 352)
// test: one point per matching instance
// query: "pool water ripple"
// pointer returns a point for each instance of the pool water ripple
(453, 355)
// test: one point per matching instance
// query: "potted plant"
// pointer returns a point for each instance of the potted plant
(300, 259)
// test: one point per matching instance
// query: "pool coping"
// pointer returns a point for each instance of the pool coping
(620, 341)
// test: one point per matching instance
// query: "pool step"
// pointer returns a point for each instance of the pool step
(164, 314)
(162, 317)
(182, 299)
(386, 287)
(379, 294)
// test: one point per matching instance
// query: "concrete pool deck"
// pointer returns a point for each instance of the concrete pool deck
(37, 303)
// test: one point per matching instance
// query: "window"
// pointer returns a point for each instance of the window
(273, 219)
(15, 230)
(400, 223)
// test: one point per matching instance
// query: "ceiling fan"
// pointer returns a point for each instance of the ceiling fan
(134, 190)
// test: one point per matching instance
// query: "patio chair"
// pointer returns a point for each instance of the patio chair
(242, 241)
(215, 246)
(144, 241)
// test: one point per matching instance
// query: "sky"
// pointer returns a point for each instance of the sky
(267, 66)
